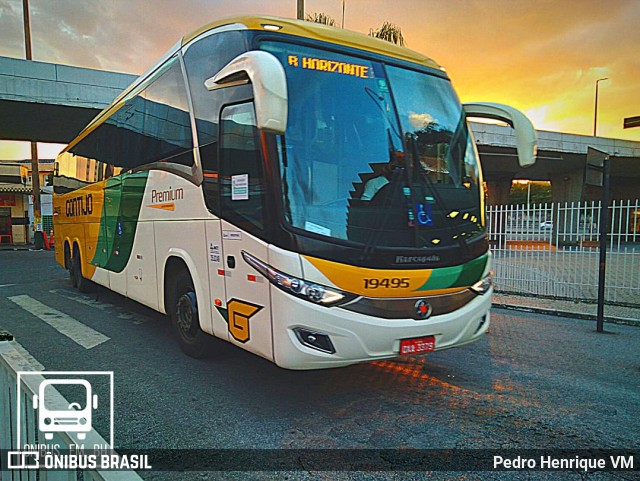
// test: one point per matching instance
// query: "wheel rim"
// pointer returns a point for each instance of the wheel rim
(187, 314)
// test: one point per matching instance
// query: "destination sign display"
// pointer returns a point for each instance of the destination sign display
(344, 68)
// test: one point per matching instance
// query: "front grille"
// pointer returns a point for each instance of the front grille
(406, 308)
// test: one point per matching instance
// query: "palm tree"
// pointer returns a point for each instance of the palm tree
(321, 18)
(389, 32)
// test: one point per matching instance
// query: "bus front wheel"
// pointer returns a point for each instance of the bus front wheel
(185, 319)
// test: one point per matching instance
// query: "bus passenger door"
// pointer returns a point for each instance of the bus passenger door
(242, 201)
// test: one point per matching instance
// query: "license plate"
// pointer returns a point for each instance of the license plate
(417, 345)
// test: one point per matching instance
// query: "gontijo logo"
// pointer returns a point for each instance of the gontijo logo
(81, 205)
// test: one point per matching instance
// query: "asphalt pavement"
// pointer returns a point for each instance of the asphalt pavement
(536, 381)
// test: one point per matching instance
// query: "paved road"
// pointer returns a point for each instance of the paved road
(532, 382)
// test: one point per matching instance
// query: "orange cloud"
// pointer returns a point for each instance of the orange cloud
(542, 57)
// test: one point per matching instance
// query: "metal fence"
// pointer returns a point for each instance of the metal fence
(552, 250)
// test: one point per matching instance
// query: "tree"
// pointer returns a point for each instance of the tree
(321, 18)
(537, 193)
(389, 32)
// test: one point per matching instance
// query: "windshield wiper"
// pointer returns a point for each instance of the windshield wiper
(458, 146)
(389, 195)
(377, 100)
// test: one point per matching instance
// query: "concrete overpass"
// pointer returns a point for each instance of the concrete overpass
(46, 102)
(562, 159)
(51, 103)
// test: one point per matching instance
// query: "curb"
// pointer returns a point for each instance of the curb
(27, 247)
(573, 315)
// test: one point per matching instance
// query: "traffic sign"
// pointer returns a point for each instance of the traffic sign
(631, 122)
(594, 173)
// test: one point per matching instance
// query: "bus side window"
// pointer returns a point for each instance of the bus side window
(242, 180)
(203, 59)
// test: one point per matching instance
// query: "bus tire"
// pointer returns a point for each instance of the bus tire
(77, 279)
(185, 321)
(68, 263)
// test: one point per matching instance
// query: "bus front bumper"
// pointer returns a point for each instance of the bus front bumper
(360, 338)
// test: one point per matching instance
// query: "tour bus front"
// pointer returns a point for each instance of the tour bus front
(336, 181)
(381, 188)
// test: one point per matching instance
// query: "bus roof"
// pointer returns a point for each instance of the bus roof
(299, 28)
(317, 31)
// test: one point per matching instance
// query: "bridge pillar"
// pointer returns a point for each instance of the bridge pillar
(567, 186)
(498, 194)
(498, 191)
(567, 189)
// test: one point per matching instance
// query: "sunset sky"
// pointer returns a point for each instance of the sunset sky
(541, 56)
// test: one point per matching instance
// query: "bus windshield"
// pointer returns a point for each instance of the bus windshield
(376, 154)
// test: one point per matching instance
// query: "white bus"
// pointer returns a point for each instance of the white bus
(307, 193)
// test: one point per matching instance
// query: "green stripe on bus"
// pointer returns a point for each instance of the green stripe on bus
(456, 276)
(121, 210)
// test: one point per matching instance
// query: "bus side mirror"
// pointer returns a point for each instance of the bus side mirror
(266, 75)
(526, 137)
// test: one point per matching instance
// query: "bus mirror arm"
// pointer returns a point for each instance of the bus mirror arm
(266, 75)
(526, 136)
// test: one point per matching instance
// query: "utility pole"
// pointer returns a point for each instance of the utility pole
(598, 173)
(604, 228)
(27, 29)
(35, 171)
(300, 10)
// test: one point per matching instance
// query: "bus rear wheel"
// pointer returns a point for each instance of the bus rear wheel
(185, 319)
(77, 279)
(67, 263)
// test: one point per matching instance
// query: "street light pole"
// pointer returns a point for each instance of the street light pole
(27, 30)
(595, 110)
(300, 13)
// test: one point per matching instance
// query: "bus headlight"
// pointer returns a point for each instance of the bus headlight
(323, 295)
(483, 285)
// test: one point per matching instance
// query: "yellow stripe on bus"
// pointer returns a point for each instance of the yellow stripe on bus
(379, 283)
